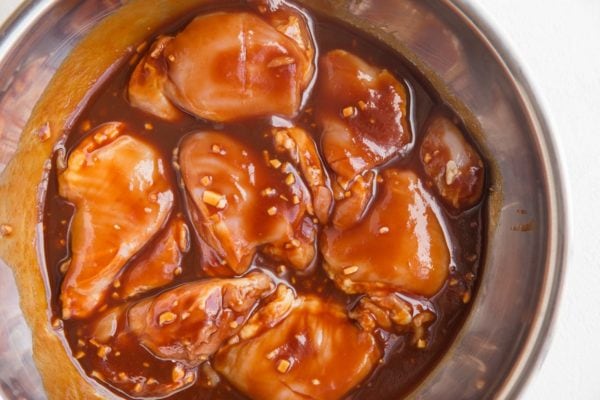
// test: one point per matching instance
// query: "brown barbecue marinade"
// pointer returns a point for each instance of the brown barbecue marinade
(403, 364)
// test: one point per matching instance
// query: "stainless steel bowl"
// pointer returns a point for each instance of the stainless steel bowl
(507, 330)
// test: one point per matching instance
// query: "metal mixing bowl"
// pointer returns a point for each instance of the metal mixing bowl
(505, 333)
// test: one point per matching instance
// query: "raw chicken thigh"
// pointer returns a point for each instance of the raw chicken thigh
(228, 66)
(363, 114)
(398, 246)
(189, 323)
(122, 197)
(242, 201)
(452, 164)
(182, 326)
(147, 84)
(299, 146)
(316, 352)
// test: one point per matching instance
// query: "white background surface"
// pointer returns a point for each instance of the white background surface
(558, 45)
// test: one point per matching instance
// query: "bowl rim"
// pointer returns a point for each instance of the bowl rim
(482, 24)
(539, 337)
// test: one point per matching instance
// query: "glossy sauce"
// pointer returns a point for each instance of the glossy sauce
(404, 365)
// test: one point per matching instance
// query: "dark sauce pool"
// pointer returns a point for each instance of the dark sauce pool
(404, 365)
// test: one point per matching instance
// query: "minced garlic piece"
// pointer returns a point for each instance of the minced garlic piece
(103, 351)
(451, 172)
(350, 270)
(272, 211)
(348, 111)
(214, 199)
(290, 179)
(97, 375)
(283, 366)
(178, 373)
(206, 180)
(269, 192)
(166, 318)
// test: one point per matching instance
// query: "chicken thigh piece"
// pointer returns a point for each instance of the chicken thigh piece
(398, 246)
(389, 311)
(316, 352)
(300, 147)
(294, 24)
(190, 322)
(160, 265)
(240, 201)
(146, 90)
(106, 341)
(227, 66)
(452, 164)
(122, 197)
(351, 204)
(172, 332)
(363, 112)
